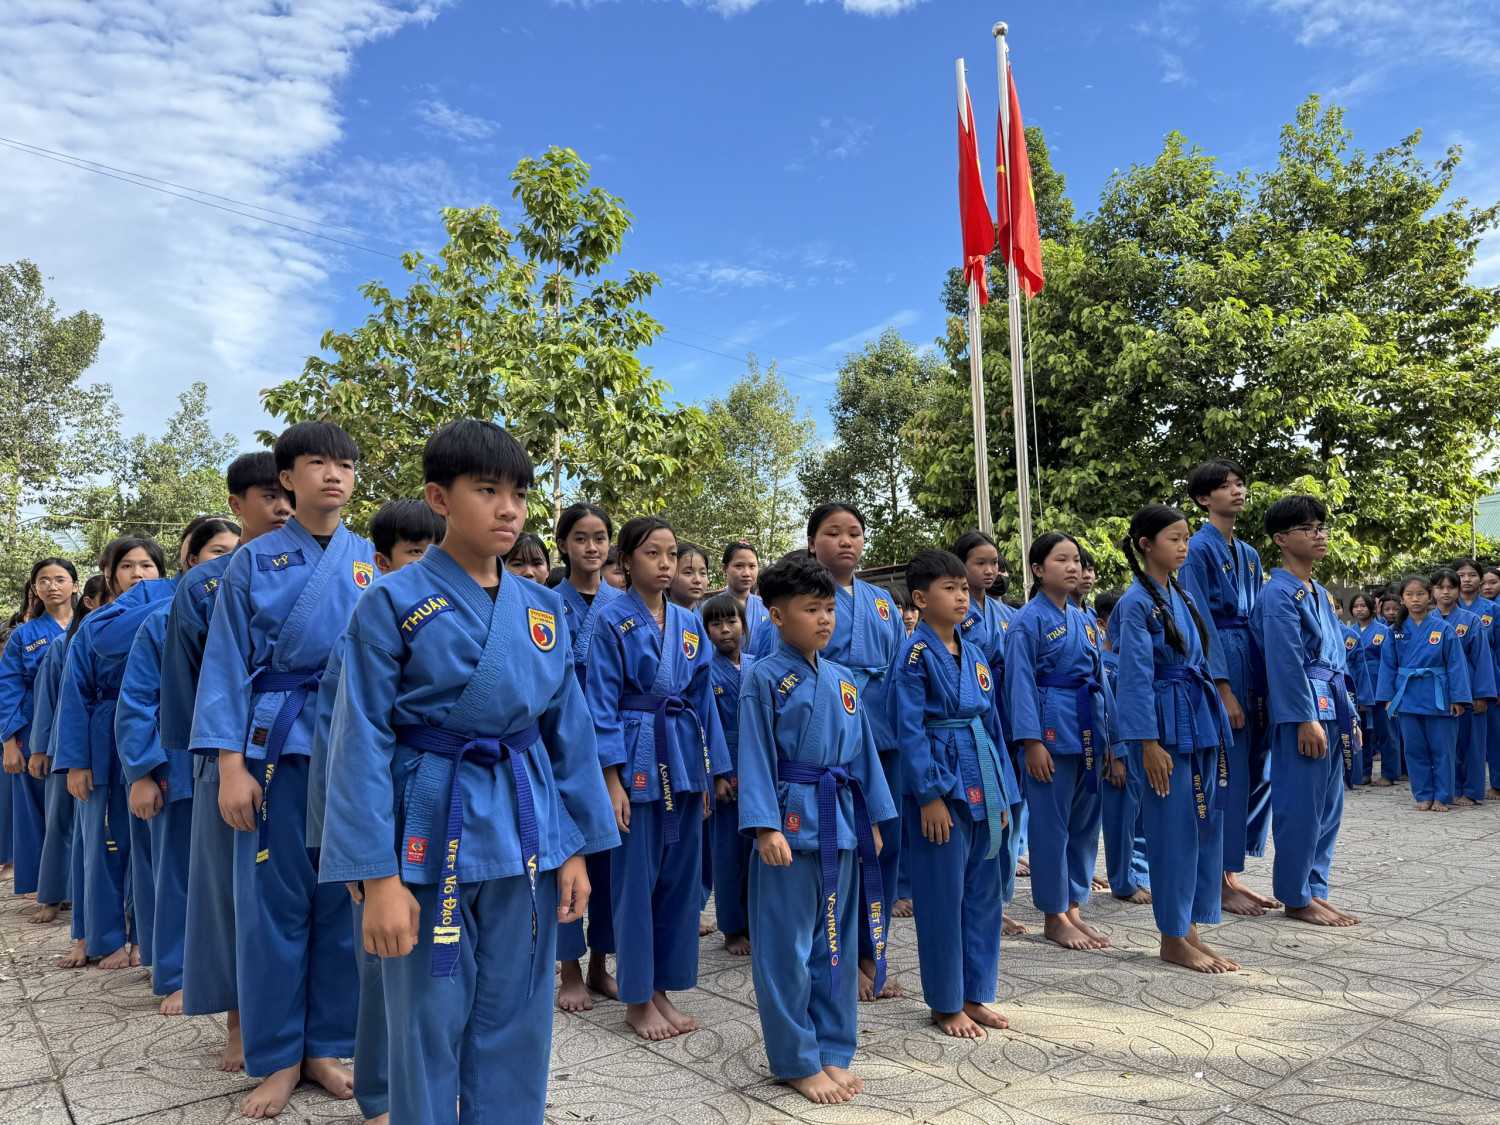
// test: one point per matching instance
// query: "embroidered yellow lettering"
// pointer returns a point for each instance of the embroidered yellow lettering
(831, 924)
(1059, 631)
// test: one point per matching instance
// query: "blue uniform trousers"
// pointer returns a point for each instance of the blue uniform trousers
(1378, 730)
(890, 850)
(474, 1048)
(1247, 816)
(142, 887)
(77, 884)
(571, 945)
(1307, 806)
(171, 843)
(654, 887)
(1064, 833)
(806, 1022)
(104, 822)
(1187, 871)
(957, 908)
(733, 854)
(209, 965)
(372, 1046)
(1492, 744)
(708, 859)
(1429, 742)
(7, 817)
(298, 980)
(1469, 757)
(55, 873)
(1125, 833)
(903, 876)
(29, 797)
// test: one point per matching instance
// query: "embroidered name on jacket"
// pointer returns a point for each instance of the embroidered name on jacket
(36, 644)
(420, 614)
(282, 561)
(206, 588)
(788, 682)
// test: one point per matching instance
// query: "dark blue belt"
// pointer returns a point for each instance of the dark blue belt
(1231, 621)
(297, 685)
(1200, 687)
(447, 930)
(829, 780)
(1338, 686)
(106, 737)
(663, 707)
(1086, 688)
(581, 670)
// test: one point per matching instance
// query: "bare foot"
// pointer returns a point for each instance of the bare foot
(1009, 927)
(737, 944)
(1198, 943)
(331, 1074)
(683, 1023)
(383, 1119)
(1423, 806)
(867, 993)
(135, 957)
(232, 1057)
(706, 925)
(1058, 929)
(31, 896)
(77, 957)
(1180, 951)
(1232, 878)
(820, 1089)
(171, 1004)
(985, 1016)
(901, 908)
(1235, 901)
(572, 994)
(599, 979)
(1353, 920)
(1386, 783)
(45, 913)
(1099, 883)
(1023, 868)
(1142, 896)
(1465, 803)
(1076, 919)
(1492, 794)
(957, 1024)
(846, 1078)
(1437, 806)
(119, 959)
(649, 1023)
(1318, 914)
(270, 1097)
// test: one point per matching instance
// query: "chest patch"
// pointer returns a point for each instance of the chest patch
(1349, 643)
(1435, 637)
(1093, 636)
(1378, 638)
(787, 683)
(205, 589)
(982, 674)
(284, 561)
(1462, 630)
(416, 618)
(364, 574)
(689, 644)
(883, 608)
(542, 627)
(848, 695)
(40, 642)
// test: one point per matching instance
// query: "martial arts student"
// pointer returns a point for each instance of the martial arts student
(1057, 704)
(1475, 636)
(282, 602)
(1489, 584)
(867, 634)
(661, 746)
(1473, 598)
(84, 735)
(1364, 693)
(1121, 814)
(724, 622)
(1309, 710)
(690, 579)
(812, 794)
(741, 564)
(911, 617)
(529, 558)
(1169, 711)
(1223, 575)
(612, 572)
(959, 792)
(1088, 573)
(1375, 725)
(260, 505)
(161, 786)
(54, 587)
(583, 533)
(1424, 684)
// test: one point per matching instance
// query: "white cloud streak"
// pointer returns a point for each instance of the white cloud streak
(442, 119)
(1389, 33)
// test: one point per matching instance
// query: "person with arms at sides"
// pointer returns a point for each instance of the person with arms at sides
(741, 570)
(1123, 817)
(1424, 684)
(1171, 716)
(583, 535)
(53, 587)
(661, 746)
(724, 622)
(529, 558)
(1484, 721)
(282, 603)
(1310, 711)
(1375, 728)
(1474, 636)
(1363, 687)
(812, 793)
(690, 580)
(1058, 707)
(960, 793)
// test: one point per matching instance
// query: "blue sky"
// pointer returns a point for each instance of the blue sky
(791, 165)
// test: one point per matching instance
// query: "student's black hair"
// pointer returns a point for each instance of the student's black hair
(903, 599)
(469, 447)
(791, 578)
(1086, 559)
(207, 531)
(1148, 523)
(94, 588)
(1495, 570)
(250, 471)
(1290, 511)
(313, 439)
(721, 607)
(1104, 604)
(1042, 546)
(964, 545)
(566, 522)
(1209, 476)
(1474, 563)
(684, 547)
(1401, 584)
(734, 547)
(613, 558)
(412, 520)
(1372, 602)
(1444, 574)
(824, 511)
(926, 567)
(528, 545)
(117, 549)
(37, 568)
(555, 577)
(633, 534)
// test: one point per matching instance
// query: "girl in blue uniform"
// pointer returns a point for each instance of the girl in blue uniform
(741, 564)
(690, 580)
(529, 558)
(1375, 726)
(724, 622)
(1475, 634)
(1058, 705)
(1486, 722)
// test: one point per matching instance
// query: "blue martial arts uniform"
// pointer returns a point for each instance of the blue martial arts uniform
(986, 626)
(28, 644)
(732, 851)
(945, 712)
(655, 719)
(1168, 696)
(757, 618)
(462, 758)
(54, 874)
(1487, 611)
(1122, 815)
(1302, 642)
(1423, 670)
(282, 602)
(1224, 580)
(1375, 722)
(1469, 755)
(579, 616)
(1364, 697)
(1056, 693)
(809, 769)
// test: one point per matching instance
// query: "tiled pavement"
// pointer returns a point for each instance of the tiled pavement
(1393, 1021)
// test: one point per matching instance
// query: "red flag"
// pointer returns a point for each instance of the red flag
(1017, 201)
(973, 209)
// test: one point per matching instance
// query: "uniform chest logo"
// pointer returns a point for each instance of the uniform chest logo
(1349, 643)
(1435, 637)
(543, 628)
(414, 619)
(1462, 630)
(848, 695)
(1378, 638)
(983, 675)
(364, 574)
(1004, 625)
(1485, 619)
(689, 644)
(883, 608)
(788, 682)
(283, 561)
(1093, 637)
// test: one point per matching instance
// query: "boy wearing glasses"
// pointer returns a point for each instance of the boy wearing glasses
(1314, 732)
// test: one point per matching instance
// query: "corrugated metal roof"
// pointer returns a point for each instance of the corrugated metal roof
(1487, 515)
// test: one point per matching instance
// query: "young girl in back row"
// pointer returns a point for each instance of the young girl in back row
(741, 569)
(1375, 723)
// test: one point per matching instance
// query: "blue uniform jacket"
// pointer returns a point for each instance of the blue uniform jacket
(1470, 631)
(1364, 685)
(726, 676)
(581, 619)
(1295, 628)
(317, 765)
(24, 651)
(44, 693)
(1486, 610)
(790, 709)
(1372, 639)
(137, 734)
(1046, 641)
(1423, 668)
(182, 648)
(985, 627)
(426, 646)
(757, 618)
(1148, 706)
(1225, 584)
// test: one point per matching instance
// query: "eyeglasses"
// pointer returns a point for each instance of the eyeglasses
(48, 583)
(1312, 531)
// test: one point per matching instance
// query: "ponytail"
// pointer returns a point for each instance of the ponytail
(1148, 523)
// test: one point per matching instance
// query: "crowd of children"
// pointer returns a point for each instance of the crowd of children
(377, 798)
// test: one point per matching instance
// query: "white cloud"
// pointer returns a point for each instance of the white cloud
(1389, 33)
(728, 8)
(717, 276)
(441, 118)
(1172, 70)
(875, 7)
(236, 97)
(899, 319)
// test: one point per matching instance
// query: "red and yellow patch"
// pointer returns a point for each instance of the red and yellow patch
(883, 608)
(982, 674)
(543, 628)
(848, 695)
(689, 644)
(364, 574)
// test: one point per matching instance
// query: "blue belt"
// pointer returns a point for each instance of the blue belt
(297, 685)
(107, 782)
(1231, 621)
(1338, 683)
(663, 707)
(1086, 688)
(993, 809)
(581, 670)
(447, 930)
(1199, 687)
(829, 780)
(1439, 687)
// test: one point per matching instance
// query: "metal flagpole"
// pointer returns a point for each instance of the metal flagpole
(1017, 383)
(976, 366)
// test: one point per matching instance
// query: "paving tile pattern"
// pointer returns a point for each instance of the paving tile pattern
(1396, 1020)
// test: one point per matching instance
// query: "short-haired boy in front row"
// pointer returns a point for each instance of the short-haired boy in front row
(804, 725)
(460, 734)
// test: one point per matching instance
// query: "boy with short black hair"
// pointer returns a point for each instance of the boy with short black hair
(802, 725)
(1122, 816)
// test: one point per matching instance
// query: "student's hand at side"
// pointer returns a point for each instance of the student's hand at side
(724, 791)
(619, 798)
(774, 850)
(879, 840)
(356, 892)
(14, 762)
(1117, 772)
(1312, 740)
(1231, 706)
(392, 917)
(1456, 710)
(1480, 707)
(145, 797)
(937, 821)
(573, 890)
(1038, 760)
(81, 784)
(39, 766)
(239, 793)
(1158, 765)
(708, 804)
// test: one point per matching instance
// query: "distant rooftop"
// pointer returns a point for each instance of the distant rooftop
(1487, 515)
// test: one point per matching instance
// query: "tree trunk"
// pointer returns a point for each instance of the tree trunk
(556, 477)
